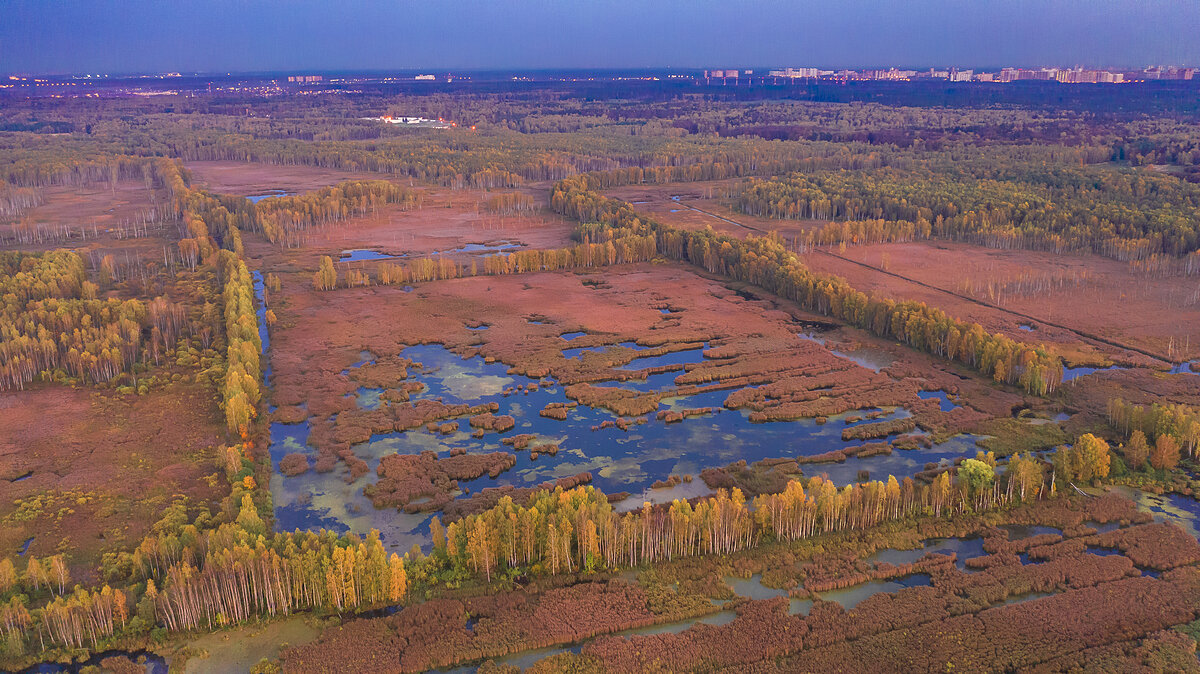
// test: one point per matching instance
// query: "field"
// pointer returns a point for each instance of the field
(1062, 298)
(253, 179)
(90, 473)
(125, 219)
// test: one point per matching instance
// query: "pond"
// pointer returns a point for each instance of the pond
(1187, 367)
(1071, 373)
(365, 255)
(619, 461)
(850, 597)
(944, 402)
(752, 587)
(483, 249)
(1180, 510)
(962, 548)
(872, 359)
(255, 198)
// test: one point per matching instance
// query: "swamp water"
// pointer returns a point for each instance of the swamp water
(255, 198)
(619, 461)
(1182, 511)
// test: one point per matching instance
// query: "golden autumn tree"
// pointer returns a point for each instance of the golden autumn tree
(1137, 450)
(397, 578)
(326, 276)
(1165, 454)
(1090, 458)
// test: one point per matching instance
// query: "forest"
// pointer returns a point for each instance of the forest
(152, 247)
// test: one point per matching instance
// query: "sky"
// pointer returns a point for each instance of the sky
(139, 36)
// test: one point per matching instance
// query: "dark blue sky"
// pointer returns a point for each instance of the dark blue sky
(57, 36)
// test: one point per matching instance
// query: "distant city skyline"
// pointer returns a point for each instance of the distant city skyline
(139, 36)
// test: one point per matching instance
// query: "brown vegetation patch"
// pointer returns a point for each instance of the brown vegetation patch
(433, 634)
(493, 422)
(840, 455)
(674, 417)
(293, 464)
(879, 429)
(1081, 292)
(383, 373)
(406, 478)
(101, 467)
(557, 410)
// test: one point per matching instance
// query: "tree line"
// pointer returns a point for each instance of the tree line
(1122, 214)
(53, 325)
(620, 250)
(578, 529)
(766, 262)
(240, 392)
(282, 219)
(1158, 434)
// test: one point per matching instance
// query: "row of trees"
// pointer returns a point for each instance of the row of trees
(577, 529)
(16, 200)
(282, 219)
(767, 263)
(1121, 214)
(247, 573)
(510, 203)
(240, 390)
(1179, 421)
(625, 249)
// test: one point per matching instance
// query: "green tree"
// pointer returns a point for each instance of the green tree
(249, 519)
(978, 477)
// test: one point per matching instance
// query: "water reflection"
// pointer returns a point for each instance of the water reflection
(1070, 373)
(619, 461)
(1180, 510)
(962, 548)
(269, 194)
(852, 596)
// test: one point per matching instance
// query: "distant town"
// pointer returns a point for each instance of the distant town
(1064, 75)
(315, 84)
